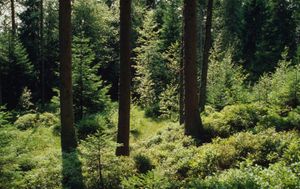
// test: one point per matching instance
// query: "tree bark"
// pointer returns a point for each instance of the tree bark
(42, 62)
(207, 46)
(1, 98)
(13, 19)
(68, 139)
(193, 125)
(181, 84)
(124, 85)
(42, 52)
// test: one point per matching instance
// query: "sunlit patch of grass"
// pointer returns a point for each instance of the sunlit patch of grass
(142, 127)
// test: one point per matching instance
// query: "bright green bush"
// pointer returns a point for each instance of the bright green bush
(278, 175)
(100, 165)
(32, 120)
(281, 120)
(149, 180)
(5, 117)
(233, 119)
(225, 82)
(90, 125)
(282, 88)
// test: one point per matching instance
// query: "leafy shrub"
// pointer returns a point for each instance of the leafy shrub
(89, 125)
(278, 175)
(282, 88)
(233, 178)
(168, 103)
(5, 117)
(225, 82)
(233, 119)
(287, 120)
(100, 165)
(143, 163)
(36, 120)
(149, 180)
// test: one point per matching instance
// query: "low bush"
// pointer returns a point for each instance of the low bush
(143, 163)
(233, 119)
(5, 117)
(32, 120)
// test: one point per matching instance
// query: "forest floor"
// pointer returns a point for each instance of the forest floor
(246, 152)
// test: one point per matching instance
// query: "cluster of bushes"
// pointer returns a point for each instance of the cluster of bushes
(249, 117)
(240, 161)
(168, 159)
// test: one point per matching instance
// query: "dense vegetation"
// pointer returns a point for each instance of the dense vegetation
(251, 120)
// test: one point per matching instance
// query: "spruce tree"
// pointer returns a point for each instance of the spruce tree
(13, 59)
(150, 69)
(89, 92)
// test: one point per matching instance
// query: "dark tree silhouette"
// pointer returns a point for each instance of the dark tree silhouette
(207, 46)
(193, 125)
(124, 85)
(68, 139)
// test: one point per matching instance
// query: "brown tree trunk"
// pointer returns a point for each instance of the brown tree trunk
(124, 85)
(1, 98)
(13, 19)
(207, 46)
(42, 62)
(181, 84)
(68, 140)
(193, 125)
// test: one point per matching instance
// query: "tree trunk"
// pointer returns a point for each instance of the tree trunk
(181, 84)
(68, 140)
(124, 86)
(1, 98)
(200, 5)
(207, 46)
(193, 125)
(42, 62)
(13, 19)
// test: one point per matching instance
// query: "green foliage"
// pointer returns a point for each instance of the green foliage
(169, 98)
(25, 103)
(233, 119)
(13, 58)
(149, 70)
(92, 124)
(282, 88)
(100, 24)
(101, 168)
(143, 163)
(5, 117)
(34, 120)
(226, 82)
(90, 94)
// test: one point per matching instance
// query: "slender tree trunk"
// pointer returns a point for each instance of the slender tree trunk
(124, 88)
(81, 87)
(1, 98)
(207, 46)
(200, 4)
(193, 125)
(181, 84)
(42, 62)
(13, 19)
(68, 140)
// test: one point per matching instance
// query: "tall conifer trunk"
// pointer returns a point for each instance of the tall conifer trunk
(124, 85)
(193, 125)
(68, 140)
(42, 62)
(207, 45)
(13, 19)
